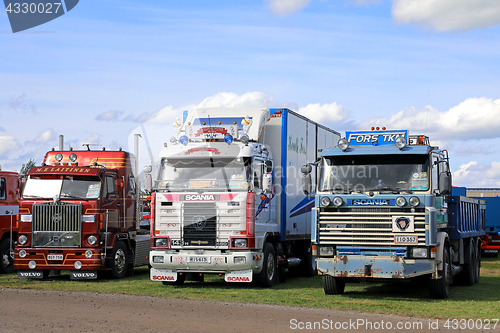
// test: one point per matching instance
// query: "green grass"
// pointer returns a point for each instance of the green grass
(406, 298)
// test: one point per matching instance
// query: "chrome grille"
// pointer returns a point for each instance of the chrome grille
(57, 224)
(365, 227)
(199, 224)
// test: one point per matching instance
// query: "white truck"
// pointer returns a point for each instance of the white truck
(227, 198)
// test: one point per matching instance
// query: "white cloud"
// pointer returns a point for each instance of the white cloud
(286, 7)
(474, 174)
(45, 136)
(111, 115)
(93, 140)
(448, 15)
(474, 118)
(229, 99)
(332, 112)
(22, 104)
(7, 143)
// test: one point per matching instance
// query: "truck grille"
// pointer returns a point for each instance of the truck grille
(366, 226)
(57, 224)
(199, 224)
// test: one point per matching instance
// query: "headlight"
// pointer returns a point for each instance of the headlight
(92, 240)
(239, 260)
(88, 253)
(32, 264)
(23, 239)
(78, 264)
(337, 201)
(343, 144)
(414, 201)
(400, 201)
(161, 242)
(419, 252)
(400, 142)
(244, 138)
(240, 242)
(26, 218)
(158, 259)
(325, 201)
(326, 251)
(22, 253)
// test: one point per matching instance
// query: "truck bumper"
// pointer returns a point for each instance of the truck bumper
(208, 262)
(390, 267)
(59, 259)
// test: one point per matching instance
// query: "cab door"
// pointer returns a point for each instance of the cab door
(111, 204)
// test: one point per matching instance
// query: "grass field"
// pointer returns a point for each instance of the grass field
(406, 299)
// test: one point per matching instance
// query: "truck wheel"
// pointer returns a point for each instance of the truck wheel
(333, 285)
(266, 277)
(180, 280)
(469, 275)
(119, 261)
(6, 261)
(440, 288)
(310, 267)
(478, 259)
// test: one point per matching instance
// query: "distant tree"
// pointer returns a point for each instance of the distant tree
(26, 167)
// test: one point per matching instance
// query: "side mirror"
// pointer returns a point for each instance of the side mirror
(148, 183)
(445, 183)
(148, 169)
(269, 166)
(267, 182)
(306, 169)
(306, 183)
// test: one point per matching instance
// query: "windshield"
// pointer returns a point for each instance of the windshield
(206, 172)
(346, 174)
(69, 187)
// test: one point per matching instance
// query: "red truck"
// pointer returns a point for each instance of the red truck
(9, 208)
(78, 213)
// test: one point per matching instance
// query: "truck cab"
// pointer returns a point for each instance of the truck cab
(78, 213)
(384, 211)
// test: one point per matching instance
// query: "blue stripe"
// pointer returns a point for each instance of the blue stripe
(284, 132)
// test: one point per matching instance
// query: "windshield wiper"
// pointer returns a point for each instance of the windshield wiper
(396, 190)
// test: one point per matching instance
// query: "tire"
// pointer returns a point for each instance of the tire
(310, 266)
(440, 288)
(333, 285)
(181, 277)
(6, 261)
(119, 261)
(267, 276)
(469, 274)
(478, 259)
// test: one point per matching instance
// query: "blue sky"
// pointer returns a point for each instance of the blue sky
(99, 72)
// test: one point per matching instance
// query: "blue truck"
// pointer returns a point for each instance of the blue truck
(384, 210)
(490, 242)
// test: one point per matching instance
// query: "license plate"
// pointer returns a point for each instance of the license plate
(55, 257)
(200, 260)
(405, 239)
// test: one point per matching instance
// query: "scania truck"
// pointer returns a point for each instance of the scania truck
(9, 208)
(227, 198)
(384, 211)
(77, 213)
